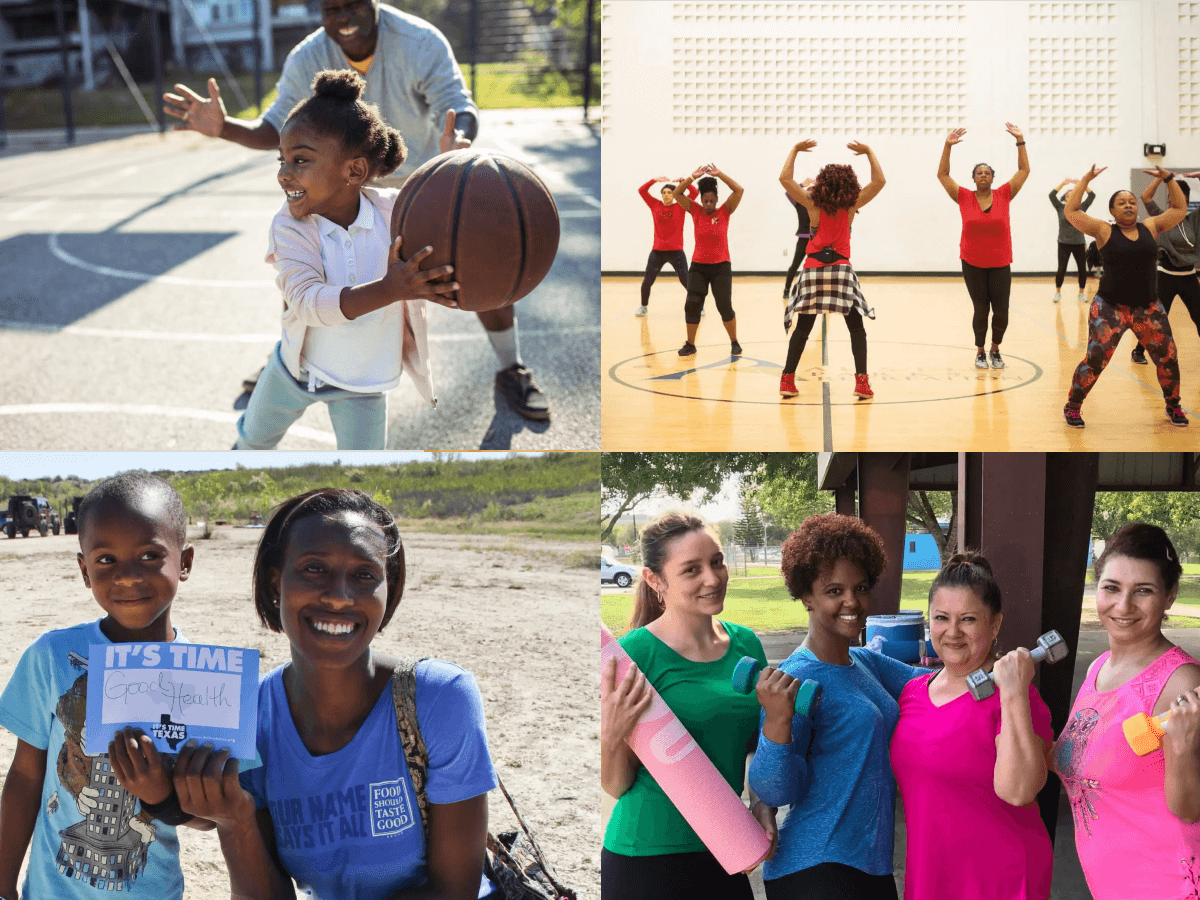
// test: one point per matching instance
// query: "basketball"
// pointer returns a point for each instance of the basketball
(487, 215)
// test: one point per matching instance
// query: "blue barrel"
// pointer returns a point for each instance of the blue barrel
(903, 635)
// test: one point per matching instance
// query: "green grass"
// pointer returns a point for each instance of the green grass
(569, 518)
(762, 604)
(500, 86)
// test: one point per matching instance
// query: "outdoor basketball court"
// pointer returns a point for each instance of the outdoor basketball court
(920, 358)
(134, 299)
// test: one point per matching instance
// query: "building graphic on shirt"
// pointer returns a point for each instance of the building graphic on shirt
(103, 850)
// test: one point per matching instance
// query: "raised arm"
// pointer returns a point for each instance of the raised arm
(644, 192)
(1020, 770)
(684, 193)
(943, 173)
(867, 194)
(1181, 745)
(1015, 183)
(736, 189)
(787, 177)
(1177, 213)
(207, 116)
(1151, 188)
(1055, 199)
(1081, 220)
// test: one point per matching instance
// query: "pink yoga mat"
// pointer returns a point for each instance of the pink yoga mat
(686, 775)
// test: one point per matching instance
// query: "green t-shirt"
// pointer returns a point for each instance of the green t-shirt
(724, 724)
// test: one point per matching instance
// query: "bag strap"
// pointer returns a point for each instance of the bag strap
(404, 698)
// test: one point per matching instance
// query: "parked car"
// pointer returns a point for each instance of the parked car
(71, 522)
(26, 513)
(621, 576)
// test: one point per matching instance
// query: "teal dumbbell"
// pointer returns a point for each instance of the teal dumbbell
(745, 679)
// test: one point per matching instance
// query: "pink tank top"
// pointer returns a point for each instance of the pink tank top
(1129, 843)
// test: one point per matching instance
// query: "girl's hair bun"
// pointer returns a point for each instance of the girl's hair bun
(344, 85)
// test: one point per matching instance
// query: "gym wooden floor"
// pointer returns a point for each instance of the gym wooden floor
(921, 361)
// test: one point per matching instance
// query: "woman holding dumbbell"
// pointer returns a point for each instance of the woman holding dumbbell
(1137, 818)
(978, 764)
(688, 656)
(837, 838)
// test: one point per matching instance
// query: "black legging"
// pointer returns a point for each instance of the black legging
(673, 876)
(989, 289)
(703, 275)
(1186, 288)
(1065, 252)
(659, 258)
(804, 326)
(829, 880)
(797, 260)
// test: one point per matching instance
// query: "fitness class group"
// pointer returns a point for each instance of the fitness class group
(692, 713)
(1143, 264)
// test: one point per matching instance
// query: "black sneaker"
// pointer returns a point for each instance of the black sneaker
(981, 360)
(1177, 417)
(688, 349)
(735, 348)
(249, 383)
(997, 360)
(516, 384)
(1139, 355)
(1074, 419)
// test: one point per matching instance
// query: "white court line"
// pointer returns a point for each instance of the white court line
(547, 172)
(27, 210)
(208, 415)
(70, 260)
(88, 331)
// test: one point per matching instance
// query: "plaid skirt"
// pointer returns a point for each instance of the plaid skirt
(833, 289)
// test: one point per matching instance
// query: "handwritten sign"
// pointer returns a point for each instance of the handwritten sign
(174, 692)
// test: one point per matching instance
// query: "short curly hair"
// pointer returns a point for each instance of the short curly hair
(326, 501)
(816, 546)
(836, 187)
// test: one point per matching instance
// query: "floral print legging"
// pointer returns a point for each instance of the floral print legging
(1106, 323)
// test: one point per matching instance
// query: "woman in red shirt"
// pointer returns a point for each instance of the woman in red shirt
(827, 282)
(710, 256)
(986, 246)
(668, 237)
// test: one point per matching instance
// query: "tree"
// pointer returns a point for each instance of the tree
(1169, 510)
(629, 478)
(784, 486)
(749, 531)
(924, 510)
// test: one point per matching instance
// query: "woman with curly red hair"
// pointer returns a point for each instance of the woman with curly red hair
(827, 282)
(832, 770)
(986, 245)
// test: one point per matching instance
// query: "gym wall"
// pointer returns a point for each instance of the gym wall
(737, 83)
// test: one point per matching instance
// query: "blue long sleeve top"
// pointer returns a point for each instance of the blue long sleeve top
(836, 774)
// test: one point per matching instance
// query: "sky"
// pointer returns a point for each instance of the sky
(90, 466)
(724, 507)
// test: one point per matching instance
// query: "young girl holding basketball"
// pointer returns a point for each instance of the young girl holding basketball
(333, 807)
(353, 312)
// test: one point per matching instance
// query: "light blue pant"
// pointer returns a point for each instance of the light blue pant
(359, 420)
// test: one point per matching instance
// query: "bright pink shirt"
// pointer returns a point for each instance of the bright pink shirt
(964, 842)
(986, 236)
(1129, 843)
(712, 234)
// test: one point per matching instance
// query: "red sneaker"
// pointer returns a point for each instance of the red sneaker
(862, 387)
(787, 386)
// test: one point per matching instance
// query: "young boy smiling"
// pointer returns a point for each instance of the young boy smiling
(74, 810)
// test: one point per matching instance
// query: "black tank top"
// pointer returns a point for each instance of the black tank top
(1129, 275)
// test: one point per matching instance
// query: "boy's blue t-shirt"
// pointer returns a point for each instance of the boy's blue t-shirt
(90, 837)
(840, 786)
(346, 823)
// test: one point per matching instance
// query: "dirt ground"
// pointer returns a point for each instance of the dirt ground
(511, 611)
